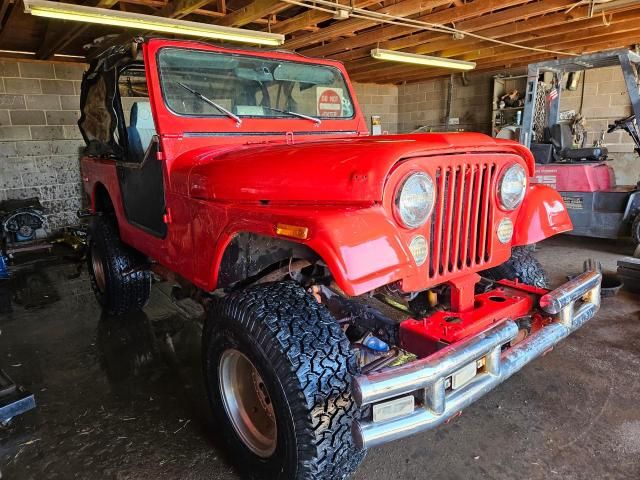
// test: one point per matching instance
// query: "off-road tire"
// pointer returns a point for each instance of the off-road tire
(522, 266)
(306, 363)
(126, 286)
(635, 230)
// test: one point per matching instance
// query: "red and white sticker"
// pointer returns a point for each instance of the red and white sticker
(329, 102)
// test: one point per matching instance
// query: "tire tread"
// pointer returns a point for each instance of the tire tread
(128, 287)
(522, 266)
(314, 363)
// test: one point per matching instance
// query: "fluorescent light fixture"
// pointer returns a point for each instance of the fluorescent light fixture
(614, 5)
(391, 55)
(17, 52)
(64, 55)
(103, 16)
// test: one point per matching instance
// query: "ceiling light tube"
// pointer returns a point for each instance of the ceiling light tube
(64, 55)
(17, 52)
(103, 16)
(391, 55)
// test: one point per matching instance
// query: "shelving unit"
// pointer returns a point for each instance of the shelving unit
(508, 116)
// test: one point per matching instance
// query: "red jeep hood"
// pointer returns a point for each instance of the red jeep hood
(344, 170)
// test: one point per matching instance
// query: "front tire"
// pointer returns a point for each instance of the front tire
(120, 285)
(522, 266)
(278, 371)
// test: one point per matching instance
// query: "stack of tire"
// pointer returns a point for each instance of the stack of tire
(629, 273)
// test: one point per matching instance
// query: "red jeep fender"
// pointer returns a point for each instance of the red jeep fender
(359, 245)
(543, 214)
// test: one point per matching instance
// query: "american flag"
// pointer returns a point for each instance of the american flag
(552, 95)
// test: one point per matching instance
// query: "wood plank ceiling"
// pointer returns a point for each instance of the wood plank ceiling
(546, 27)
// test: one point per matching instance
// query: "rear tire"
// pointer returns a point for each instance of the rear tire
(118, 282)
(522, 266)
(278, 372)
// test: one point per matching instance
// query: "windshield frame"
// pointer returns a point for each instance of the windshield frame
(283, 116)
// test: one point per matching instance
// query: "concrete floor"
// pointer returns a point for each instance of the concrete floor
(115, 400)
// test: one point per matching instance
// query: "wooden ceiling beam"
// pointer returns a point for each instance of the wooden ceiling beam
(565, 41)
(574, 32)
(554, 41)
(4, 7)
(47, 50)
(159, 4)
(11, 18)
(452, 15)
(181, 8)
(552, 26)
(429, 42)
(312, 17)
(409, 73)
(528, 18)
(406, 72)
(251, 12)
(528, 31)
(402, 8)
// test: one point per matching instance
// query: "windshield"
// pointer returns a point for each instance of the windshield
(250, 86)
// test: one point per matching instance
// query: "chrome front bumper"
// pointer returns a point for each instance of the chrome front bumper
(571, 305)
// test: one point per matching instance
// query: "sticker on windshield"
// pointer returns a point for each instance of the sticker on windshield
(329, 101)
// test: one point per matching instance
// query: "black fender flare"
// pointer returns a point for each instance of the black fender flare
(248, 254)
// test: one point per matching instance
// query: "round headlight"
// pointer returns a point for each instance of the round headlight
(414, 200)
(512, 187)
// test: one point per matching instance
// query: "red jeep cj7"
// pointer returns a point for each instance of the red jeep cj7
(358, 289)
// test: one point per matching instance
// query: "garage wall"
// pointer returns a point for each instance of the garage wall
(39, 138)
(379, 100)
(424, 104)
(606, 99)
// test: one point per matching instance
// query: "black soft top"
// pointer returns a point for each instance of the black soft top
(100, 117)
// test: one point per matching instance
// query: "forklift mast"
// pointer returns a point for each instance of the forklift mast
(628, 60)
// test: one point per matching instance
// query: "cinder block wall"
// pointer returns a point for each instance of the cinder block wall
(425, 103)
(39, 138)
(379, 100)
(606, 99)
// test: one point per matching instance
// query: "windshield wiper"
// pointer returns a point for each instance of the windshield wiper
(317, 121)
(212, 103)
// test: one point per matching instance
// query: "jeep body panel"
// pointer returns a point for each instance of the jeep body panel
(221, 180)
(250, 192)
(340, 170)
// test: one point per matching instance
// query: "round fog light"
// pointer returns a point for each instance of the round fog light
(418, 247)
(505, 230)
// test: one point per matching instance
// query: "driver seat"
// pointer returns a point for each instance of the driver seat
(141, 130)
(562, 139)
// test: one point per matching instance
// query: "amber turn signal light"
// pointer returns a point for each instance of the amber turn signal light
(293, 231)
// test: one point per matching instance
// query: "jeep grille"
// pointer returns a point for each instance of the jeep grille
(463, 212)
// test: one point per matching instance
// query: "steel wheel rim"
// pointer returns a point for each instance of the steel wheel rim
(247, 403)
(98, 270)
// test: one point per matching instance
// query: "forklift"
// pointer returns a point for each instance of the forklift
(583, 176)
